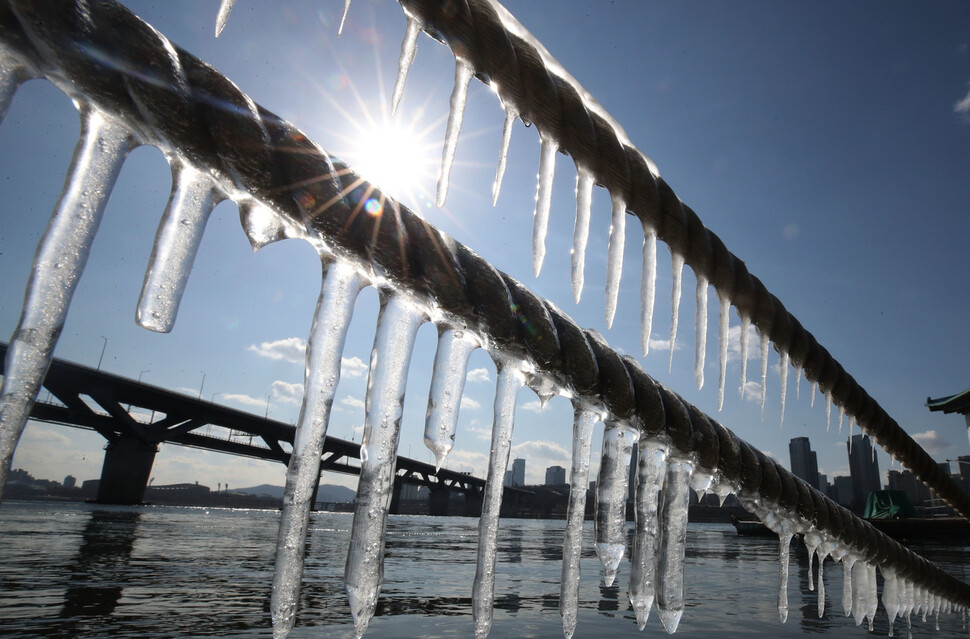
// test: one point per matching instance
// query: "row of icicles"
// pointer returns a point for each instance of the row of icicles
(664, 477)
(584, 186)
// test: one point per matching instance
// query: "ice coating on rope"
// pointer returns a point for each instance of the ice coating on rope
(263, 225)
(510, 380)
(343, 18)
(700, 331)
(584, 198)
(459, 94)
(397, 326)
(503, 152)
(745, 326)
(677, 269)
(12, 74)
(783, 373)
(177, 242)
(57, 267)
(447, 385)
(335, 306)
(723, 327)
(409, 48)
(612, 486)
(225, 8)
(614, 256)
(673, 542)
(540, 222)
(648, 286)
(651, 468)
(584, 418)
(764, 372)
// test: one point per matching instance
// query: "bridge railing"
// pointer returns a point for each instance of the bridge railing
(223, 145)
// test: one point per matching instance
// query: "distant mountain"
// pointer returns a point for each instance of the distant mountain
(327, 492)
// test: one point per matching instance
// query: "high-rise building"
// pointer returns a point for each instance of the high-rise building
(518, 472)
(555, 476)
(864, 470)
(804, 461)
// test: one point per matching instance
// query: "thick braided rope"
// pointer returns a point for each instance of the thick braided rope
(181, 103)
(476, 34)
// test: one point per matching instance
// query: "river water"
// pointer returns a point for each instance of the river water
(80, 570)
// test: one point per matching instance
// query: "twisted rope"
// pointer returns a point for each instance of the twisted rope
(476, 33)
(180, 104)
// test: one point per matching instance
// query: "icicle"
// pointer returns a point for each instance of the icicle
(798, 382)
(745, 327)
(723, 327)
(764, 372)
(784, 552)
(572, 545)
(783, 369)
(700, 331)
(463, 76)
(612, 487)
(264, 226)
(510, 380)
(614, 257)
(822, 554)
(872, 594)
(409, 48)
(814, 389)
(176, 245)
(648, 286)
(841, 417)
(397, 326)
(447, 385)
(890, 596)
(860, 590)
(335, 306)
(340, 30)
(677, 267)
(547, 171)
(225, 8)
(828, 411)
(848, 561)
(673, 542)
(584, 198)
(58, 264)
(643, 571)
(812, 540)
(503, 153)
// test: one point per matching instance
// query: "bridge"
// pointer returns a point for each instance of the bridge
(117, 408)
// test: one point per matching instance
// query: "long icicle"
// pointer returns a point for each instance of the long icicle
(860, 588)
(584, 199)
(673, 542)
(700, 331)
(397, 326)
(463, 76)
(447, 385)
(784, 552)
(177, 242)
(745, 327)
(409, 48)
(335, 306)
(614, 256)
(225, 8)
(584, 418)
(612, 486)
(510, 380)
(677, 270)
(540, 223)
(503, 153)
(652, 465)
(848, 561)
(58, 264)
(723, 330)
(648, 286)
(783, 372)
(764, 372)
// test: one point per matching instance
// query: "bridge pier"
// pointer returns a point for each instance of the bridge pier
(124, 475)
(473, 502)
(438, 495)
(396, 497)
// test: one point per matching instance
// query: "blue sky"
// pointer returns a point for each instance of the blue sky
(827, 144)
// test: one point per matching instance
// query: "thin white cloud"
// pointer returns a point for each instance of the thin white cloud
(963, 106)
(352, 402)
(752, 391)
(931, 441)
(478, 375)
(245, 400)
(352, 367)
(734, 343)
(535, 406)
(288, 349)
(480, 433)
(662, 345)
(288, 393)
(469, 404)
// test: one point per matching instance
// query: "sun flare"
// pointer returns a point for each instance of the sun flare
(392, 156)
